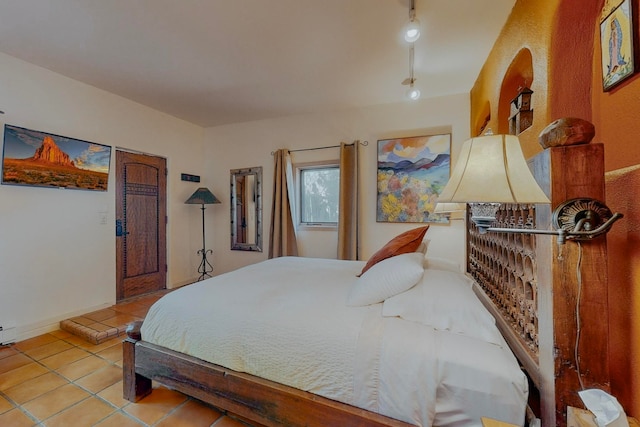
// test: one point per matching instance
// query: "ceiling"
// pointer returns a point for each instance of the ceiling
(214, 62)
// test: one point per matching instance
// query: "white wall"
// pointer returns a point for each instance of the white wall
(250, 144)
(56, 259)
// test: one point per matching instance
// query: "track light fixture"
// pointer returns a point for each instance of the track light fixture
(413, 93)
(412, 29)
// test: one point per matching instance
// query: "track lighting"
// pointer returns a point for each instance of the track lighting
(412, 29)
(413, 93)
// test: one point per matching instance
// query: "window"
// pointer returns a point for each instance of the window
(318, 190)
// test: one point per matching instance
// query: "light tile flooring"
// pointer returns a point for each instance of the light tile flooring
(59, 379)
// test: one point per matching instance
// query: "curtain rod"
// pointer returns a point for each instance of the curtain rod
(363, 143)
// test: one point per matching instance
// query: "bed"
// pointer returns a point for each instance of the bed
(300, 341)
(529, 284)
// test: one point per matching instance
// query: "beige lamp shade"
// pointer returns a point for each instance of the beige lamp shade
(449, 207)
(492, 169)
(452, 210)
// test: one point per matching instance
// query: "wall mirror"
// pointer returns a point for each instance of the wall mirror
(246, 209)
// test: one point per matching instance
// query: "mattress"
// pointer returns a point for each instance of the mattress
(286, 320)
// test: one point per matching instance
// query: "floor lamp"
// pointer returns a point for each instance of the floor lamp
(203, 196)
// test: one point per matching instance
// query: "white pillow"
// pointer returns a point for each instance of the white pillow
(445, 301)
(424, 245)
(386, 278)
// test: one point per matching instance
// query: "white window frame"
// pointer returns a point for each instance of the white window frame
(328, 226)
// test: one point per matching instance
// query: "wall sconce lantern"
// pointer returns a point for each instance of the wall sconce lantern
(521, 114)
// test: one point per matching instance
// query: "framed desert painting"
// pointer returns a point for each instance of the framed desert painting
(411, 174)
(34, 158)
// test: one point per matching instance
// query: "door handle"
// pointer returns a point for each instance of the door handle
(120, 229)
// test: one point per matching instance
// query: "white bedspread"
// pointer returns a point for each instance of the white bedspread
(286, 320)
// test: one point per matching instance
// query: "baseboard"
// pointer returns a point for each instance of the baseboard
(45, 326)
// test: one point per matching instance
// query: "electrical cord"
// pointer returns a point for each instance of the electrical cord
(578, 325)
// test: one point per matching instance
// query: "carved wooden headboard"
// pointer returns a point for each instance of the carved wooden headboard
(503, 265)
(532, 285)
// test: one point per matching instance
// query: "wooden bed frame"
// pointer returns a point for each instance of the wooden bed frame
(532, 294)
(252, 398)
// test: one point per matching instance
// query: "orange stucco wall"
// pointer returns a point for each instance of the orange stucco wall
(563, 37)
(529, 27)
(623, 246)
(615, 115)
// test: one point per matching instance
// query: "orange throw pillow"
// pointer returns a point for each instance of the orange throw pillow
(401, 244)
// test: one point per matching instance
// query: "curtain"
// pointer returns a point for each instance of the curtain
(282, 234)
(348, 233)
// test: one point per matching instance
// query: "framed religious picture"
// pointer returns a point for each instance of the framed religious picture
(411, 174)
(617, 45)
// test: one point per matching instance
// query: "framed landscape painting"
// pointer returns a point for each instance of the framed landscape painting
(411, 174)
(35, 158)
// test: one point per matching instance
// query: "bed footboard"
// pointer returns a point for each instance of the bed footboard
(135, 385)
(256, 399)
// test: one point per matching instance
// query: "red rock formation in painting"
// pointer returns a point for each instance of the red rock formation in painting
(50, 152)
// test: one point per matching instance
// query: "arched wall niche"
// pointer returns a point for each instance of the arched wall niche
(482, 120)
(518, 75)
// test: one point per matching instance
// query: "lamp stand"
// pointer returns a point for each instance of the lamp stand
(205, 266)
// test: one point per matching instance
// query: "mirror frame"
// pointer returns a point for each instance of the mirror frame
(235, 173)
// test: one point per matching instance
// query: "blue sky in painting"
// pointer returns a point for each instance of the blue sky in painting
(414, 148)
(22, 143)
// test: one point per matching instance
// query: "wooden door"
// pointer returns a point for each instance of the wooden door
(141, 207)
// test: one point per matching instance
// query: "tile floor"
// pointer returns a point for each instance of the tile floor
(102, 325)
(60, 379)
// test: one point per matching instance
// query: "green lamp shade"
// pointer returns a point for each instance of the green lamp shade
(202, 196)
